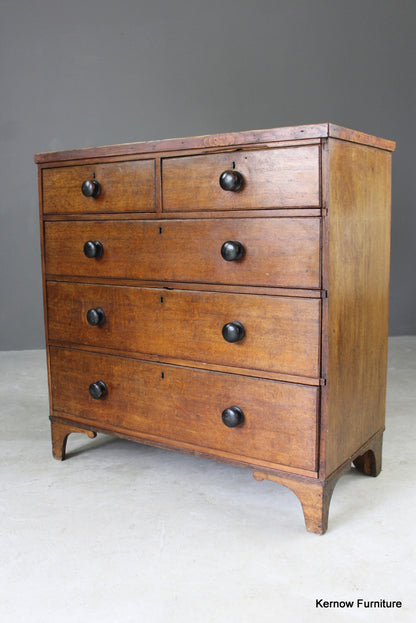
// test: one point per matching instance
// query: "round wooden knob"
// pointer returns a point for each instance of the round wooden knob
(233, 331)
(232, 250)
(90, 188)
(95, 316)
(98, 390)
(93, 248)
(233, 416)
(231, 180)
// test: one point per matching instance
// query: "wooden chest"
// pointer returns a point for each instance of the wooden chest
(225, 296)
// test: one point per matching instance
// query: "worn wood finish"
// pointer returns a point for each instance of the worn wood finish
(43, 267)
(311, 291)
(358, 283)
(215, 141)
(60, 434)
(183, 447)
(167, 216)
(124, 186)
(314, 495)
(282, 334)
(272, 178)
(354, 136)
(190, 250)
(204, 287)
(203, 365)
(186, 405)
(369, 460)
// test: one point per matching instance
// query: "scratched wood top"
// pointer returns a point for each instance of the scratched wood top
(250, 137)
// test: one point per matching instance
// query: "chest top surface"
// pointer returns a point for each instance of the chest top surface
(231, 139)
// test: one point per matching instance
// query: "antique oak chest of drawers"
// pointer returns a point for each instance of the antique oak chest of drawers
(224, 296)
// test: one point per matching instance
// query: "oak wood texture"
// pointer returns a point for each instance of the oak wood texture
(314, 495)
(60, 433)
(181, 446)
(272, 178)
(124, 186)
(200, 216)
(211, 287)
(225, 140)
(282, 333)
(369, 461)
(311, 290)
(190, 250)
(184, 404)
(357, 274)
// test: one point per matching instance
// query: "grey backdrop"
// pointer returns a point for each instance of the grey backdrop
(93, 72)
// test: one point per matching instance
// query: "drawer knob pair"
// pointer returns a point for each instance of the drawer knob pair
(231, 180)
(231, 250)
(232, 416)
(91, 188)
(231, 332)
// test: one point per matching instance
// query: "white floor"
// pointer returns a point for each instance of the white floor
(124, 533)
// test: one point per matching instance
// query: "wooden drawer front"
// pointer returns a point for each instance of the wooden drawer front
(273, 178)
(281, 333)
(278, 251)
(124, 187)
(186, 405)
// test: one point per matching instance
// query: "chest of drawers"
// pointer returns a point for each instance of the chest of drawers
(225, 296)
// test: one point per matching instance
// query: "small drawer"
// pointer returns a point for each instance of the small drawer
(269, 178)
(184, 405)
(108, 187)
(281, 252)
(265, 333)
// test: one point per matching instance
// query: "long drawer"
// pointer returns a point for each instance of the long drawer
(122, 187)
(275, 251)
(186, 405)
(281, 334)
(270, 178)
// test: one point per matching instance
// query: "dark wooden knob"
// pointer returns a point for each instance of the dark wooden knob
(233, 331)
(98, 390)
(231, 180)
(90, 188)
(95, 316)
(232, 250)
(233, 416)
(93, 248)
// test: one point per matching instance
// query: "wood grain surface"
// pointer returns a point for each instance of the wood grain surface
(230, 139)
(278, 252)
(186, 405)
(359, 195)
(272, 178)
(124, 187)
(311, 290)
(282, 333)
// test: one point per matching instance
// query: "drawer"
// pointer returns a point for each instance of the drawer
(277, 251)
(186, 405)
(123, 187)
(281, 333)
(271, 178)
